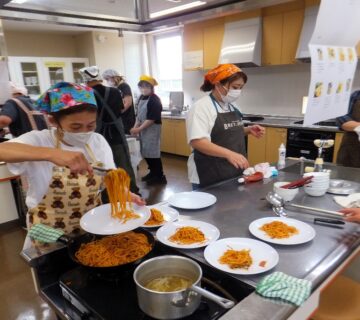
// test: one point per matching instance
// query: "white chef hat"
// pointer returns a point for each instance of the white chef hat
(17, 88)
(90, 73)
(110, 73)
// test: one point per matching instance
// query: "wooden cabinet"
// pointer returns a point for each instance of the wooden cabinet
(281, 34)
(338, 139)
(274, 138)
(167, 136)
(256, 150)
(266, 149)
(292, 25)
(272, 39)
(213, 36)
(192, 38)
(173, 137)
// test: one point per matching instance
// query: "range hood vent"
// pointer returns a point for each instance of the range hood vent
(303, 53)
(242, 43)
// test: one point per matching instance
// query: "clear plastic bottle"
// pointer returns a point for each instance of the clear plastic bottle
(282, 156)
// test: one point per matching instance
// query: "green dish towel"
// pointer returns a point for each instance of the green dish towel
(44, 233)
(279, 285)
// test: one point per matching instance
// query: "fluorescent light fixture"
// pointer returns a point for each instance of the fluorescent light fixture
(18, 1)
(176, 9)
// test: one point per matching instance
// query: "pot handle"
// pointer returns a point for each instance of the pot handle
(225, 303)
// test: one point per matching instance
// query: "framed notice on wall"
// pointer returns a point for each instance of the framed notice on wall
(193, 60)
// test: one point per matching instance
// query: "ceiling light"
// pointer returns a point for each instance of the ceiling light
(18, 1)
(176, 9)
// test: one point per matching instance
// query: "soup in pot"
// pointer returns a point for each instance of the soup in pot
(169, 283)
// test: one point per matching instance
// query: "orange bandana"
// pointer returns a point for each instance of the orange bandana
(222, 71)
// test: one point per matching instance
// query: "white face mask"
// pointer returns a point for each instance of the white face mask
(231, 96)
(111, 83)
(145, 91)
(77, 138)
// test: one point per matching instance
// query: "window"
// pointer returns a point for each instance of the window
(169, 66)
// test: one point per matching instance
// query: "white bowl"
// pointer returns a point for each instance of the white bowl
(315, 192)
(286, 194)
(318, 185)
(317, 175)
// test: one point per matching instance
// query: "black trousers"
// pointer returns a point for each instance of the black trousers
(155, 166)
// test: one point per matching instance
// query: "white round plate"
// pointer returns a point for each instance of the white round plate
(191, 200)
(306, 232)
(167, 230)
(259, 252)
(100, 221)
(169, 214)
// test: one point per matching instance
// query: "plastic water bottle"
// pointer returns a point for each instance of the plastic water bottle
(282, 156)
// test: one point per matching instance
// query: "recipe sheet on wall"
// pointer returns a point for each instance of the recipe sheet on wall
(333, 59)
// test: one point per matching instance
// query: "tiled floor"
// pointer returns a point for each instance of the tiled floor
(18, 299)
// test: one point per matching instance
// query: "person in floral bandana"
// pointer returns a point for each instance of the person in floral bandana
(57, 162)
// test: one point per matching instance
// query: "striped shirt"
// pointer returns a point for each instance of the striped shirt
(347, 117)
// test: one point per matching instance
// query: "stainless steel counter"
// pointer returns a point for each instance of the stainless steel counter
(269, 121)
(238, 206)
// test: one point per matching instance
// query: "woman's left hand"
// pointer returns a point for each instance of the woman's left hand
(135, 131)
(256, 131)
(137, 199)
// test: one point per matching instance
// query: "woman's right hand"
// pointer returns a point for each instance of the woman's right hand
(237, 160)
(75, 161)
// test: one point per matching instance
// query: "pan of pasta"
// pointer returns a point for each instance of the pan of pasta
(118, 216)
(111, 253)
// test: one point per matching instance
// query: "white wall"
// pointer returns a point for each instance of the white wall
(108, 48)
(134, 59)
(276, 90)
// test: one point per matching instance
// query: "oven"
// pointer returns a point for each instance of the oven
(300, 143)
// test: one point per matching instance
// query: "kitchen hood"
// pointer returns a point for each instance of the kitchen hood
(242, 43)
(303, 53)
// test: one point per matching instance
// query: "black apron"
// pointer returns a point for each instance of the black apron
(228, 132)
(349, 151)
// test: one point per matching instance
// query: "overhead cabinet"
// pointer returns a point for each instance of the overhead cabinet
(281, 34)
(37, 74)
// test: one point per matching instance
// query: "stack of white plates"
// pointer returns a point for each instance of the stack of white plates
(318, 185)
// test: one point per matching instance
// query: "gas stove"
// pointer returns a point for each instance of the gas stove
(78, 293)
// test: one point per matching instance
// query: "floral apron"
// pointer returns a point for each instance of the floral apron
(69, 196)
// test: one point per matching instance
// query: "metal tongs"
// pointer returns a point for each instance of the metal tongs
(100, 170)
(278, 204)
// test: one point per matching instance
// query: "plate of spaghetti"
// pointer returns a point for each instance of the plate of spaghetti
(160, 215)
(284, 231)
(241, 256)
(120, 215)
(188, 234)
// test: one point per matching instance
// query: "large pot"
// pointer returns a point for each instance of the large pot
(177, 304)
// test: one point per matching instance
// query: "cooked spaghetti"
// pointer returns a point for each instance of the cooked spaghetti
(187, 235)
(117, 184)
(237, 259)
(279, 230)
(114, 250)
(156, 218)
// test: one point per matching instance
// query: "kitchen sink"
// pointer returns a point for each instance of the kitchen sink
(328, 123)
